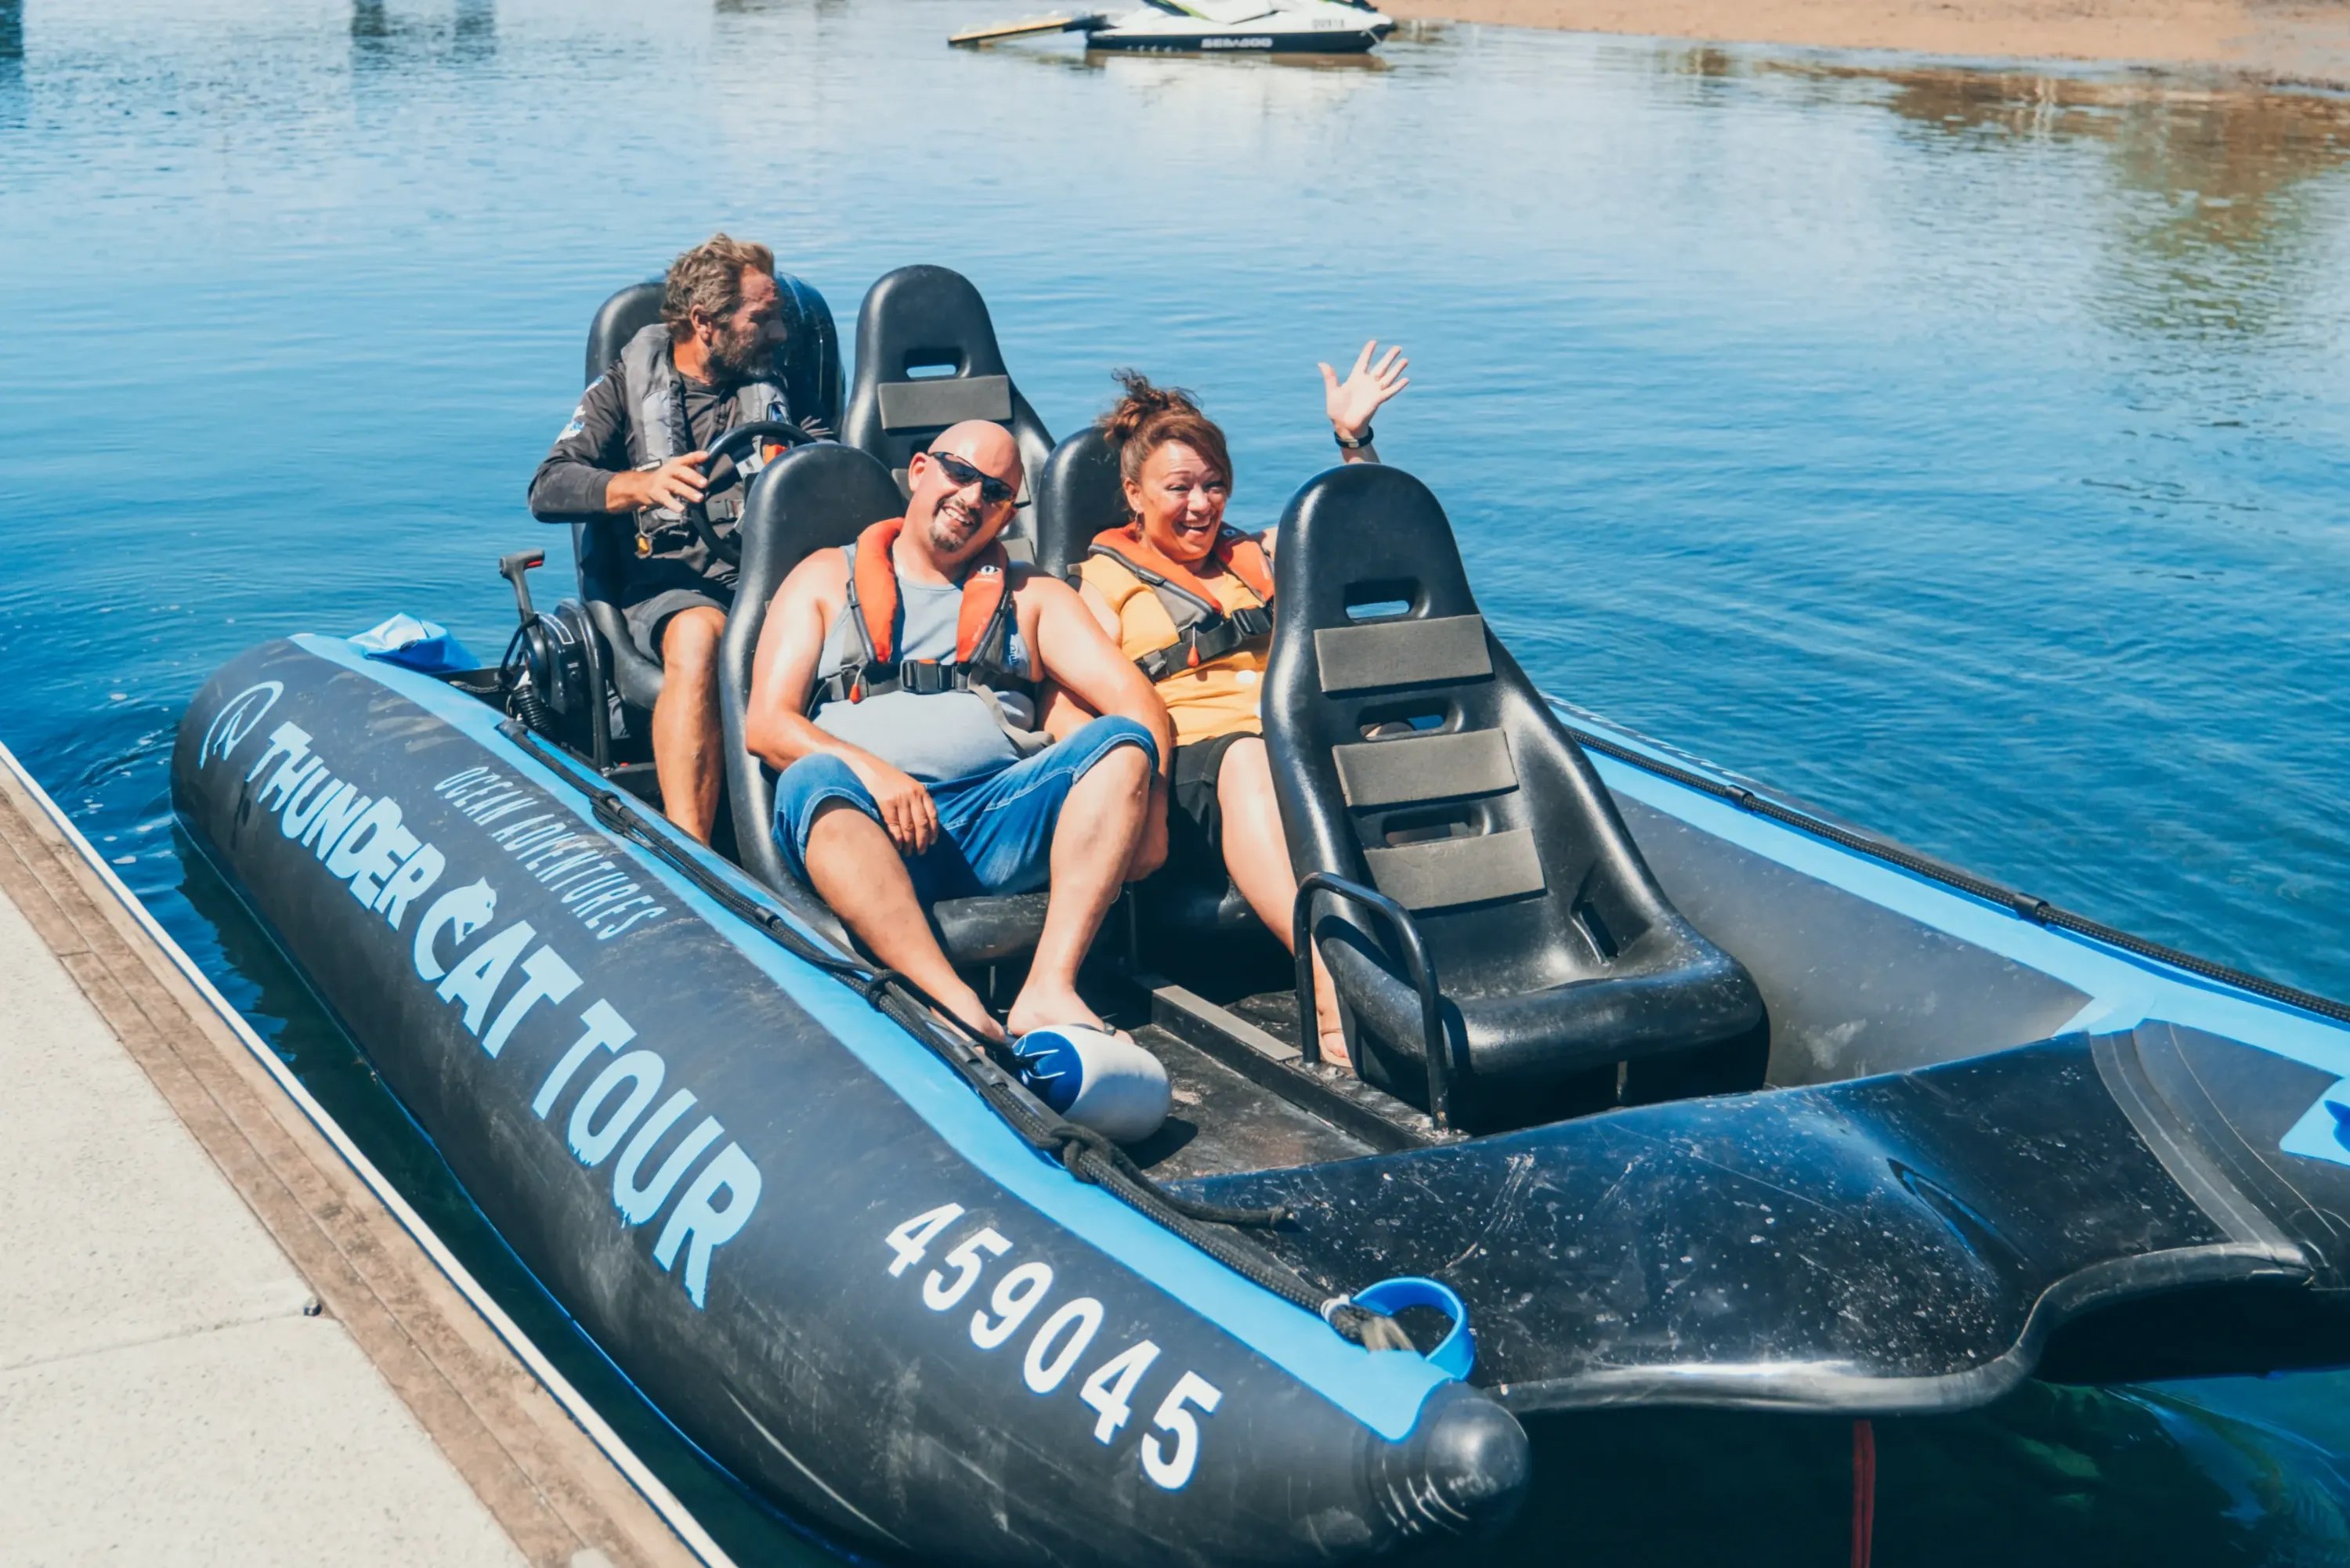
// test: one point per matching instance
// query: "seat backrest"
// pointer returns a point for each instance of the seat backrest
(600, 549)
(1077, 495)
(617, 319)
(926, 358)
(812, 498)
(1409, 752)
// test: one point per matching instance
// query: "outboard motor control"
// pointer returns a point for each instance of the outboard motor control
(544, 678)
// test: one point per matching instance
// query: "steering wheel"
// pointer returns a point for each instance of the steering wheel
(729, 449)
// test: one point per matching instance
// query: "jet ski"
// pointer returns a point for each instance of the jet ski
(1213, 26)
(1671, 1091)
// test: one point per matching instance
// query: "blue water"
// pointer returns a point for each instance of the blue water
(1959, 450)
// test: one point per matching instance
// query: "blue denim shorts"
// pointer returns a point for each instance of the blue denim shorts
(995, 829)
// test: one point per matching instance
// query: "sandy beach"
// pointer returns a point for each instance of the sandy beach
(2294, 43)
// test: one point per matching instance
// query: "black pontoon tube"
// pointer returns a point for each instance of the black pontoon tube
(830, 1240)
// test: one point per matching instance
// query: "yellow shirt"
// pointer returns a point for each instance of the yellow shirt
(1220, 698)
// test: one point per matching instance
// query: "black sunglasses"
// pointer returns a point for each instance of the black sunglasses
(993, 491)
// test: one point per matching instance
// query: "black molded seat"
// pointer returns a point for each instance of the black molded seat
(1078, 494)
(809, 364)
(815, 498)
(931, 319)
(1411, 754)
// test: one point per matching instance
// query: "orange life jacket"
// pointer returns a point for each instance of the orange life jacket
(1205, 629)
(983, 627)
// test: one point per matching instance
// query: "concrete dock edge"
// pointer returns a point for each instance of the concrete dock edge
(562, 1485)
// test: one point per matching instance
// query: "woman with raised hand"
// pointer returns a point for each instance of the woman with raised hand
(1190, 599)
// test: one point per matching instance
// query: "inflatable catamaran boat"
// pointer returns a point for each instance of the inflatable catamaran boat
(1672, 1092)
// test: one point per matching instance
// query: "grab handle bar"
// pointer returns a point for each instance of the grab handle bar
(1415, 960)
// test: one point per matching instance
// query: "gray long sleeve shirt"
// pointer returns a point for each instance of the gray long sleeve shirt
(570, 484)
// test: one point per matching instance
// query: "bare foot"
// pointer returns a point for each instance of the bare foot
(1334, 1047)
(966, 1009)
(1038, 1007)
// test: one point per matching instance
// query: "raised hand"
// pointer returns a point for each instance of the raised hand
(1350, 404)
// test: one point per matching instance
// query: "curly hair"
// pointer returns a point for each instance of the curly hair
(709, 278)
(1147, 418)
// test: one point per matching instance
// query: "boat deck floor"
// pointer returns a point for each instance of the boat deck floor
(1223, 1123)
(1244, 1099)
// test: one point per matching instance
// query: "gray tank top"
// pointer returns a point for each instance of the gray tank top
(936, 736)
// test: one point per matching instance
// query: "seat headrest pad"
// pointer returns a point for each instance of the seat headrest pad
(1363, 533)
(617, 320)
(924, 316)
(935, 403)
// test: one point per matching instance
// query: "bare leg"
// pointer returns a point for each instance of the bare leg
(1150, 844)
(686, 736)
(1092, 843)
(857, 870)
(1063, 715)
(1257, 855)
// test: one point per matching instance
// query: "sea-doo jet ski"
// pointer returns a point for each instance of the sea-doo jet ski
(1670, 1090)
(1213, 26)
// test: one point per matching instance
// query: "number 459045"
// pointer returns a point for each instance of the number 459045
(1171, 1450)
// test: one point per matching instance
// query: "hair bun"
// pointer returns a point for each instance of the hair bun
(1141, 404)
(1147, 418)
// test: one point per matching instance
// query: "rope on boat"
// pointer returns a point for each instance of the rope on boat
(1084, 1154)
(1371, 1330)
(2039, 910)
(1076, 1141)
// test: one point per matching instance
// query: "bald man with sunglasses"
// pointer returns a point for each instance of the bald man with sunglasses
(893, 689)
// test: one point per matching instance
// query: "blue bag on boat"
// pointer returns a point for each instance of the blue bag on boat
(424, 645)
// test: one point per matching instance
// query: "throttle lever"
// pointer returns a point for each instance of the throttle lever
(514, 568)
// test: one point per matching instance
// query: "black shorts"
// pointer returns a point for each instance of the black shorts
(648, 618)
(1195, 823)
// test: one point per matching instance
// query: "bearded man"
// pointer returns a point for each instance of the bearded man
(632, 450)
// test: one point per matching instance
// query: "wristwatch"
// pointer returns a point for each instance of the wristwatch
(1356, 444)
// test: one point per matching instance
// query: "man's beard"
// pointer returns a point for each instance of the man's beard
(949, 537)
(737, 356)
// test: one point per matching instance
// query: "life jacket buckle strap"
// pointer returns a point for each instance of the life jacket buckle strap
(918, 676)
(926, 679)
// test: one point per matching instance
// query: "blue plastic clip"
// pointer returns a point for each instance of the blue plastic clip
(1457, 1351)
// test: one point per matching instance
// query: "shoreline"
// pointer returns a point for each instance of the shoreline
(2288, 43)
